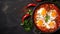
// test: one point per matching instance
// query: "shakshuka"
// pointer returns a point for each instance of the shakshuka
(47, 17)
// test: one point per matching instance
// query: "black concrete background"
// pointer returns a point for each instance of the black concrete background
(10, 16)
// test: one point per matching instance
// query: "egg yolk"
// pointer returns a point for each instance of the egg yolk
(52, 24)
(43, 13)
(40, 22)
(54, 14)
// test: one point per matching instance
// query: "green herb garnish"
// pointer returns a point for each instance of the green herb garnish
(27, 29)
(30, 12)
(47, 18)
(28, 25)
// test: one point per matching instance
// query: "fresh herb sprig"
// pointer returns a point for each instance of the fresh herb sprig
(27, 24)
(47, 18)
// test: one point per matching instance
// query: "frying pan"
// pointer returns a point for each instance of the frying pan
(38, 6)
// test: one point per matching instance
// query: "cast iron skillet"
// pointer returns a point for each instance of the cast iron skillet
(34, 12)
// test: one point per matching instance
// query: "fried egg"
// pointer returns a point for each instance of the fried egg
(40, 22)
(52, 24)
(52, 14)
(42, 12)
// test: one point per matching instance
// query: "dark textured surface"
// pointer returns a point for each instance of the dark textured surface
(10, 16)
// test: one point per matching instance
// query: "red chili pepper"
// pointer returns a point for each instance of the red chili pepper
(25, 16)
(38, 0)
(30, 4)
